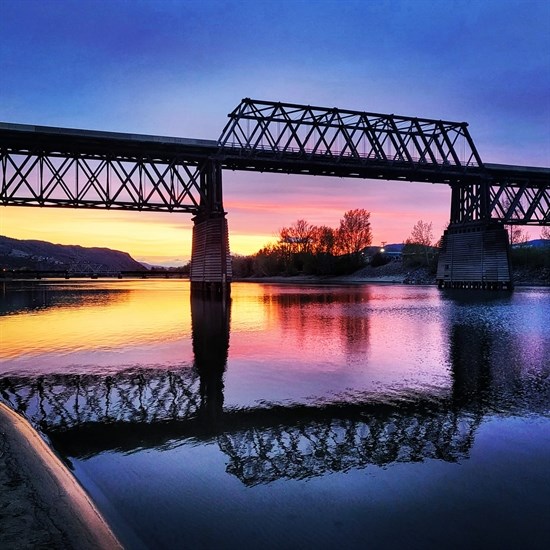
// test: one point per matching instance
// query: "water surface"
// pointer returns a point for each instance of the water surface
(364, 416)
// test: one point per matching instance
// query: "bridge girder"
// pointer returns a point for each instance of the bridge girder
(510, 203)
(519, 195)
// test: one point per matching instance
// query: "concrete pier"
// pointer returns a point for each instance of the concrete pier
(475, 255)
(211, 270)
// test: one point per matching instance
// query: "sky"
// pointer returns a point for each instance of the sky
(178, 67)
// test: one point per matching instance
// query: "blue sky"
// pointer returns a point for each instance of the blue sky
(178, 67)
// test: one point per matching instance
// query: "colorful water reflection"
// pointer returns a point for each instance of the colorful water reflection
(169, 406)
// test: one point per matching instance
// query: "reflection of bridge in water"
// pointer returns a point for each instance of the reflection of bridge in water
(86, 414)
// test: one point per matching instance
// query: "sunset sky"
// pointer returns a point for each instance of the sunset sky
(178, 67)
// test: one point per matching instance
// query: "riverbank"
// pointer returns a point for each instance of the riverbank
(395, 273)
(41, 503)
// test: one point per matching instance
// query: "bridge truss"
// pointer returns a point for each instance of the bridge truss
(42, 166)
(275, 131)
(291, 138)
(513, 195)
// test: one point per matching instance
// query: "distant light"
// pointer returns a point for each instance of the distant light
(382, 250)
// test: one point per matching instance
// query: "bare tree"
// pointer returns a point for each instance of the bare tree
(323, 240)
(420, 239)
(298, 237)
(545, 233)
(421, 233)
(517, 235)
(354, 233)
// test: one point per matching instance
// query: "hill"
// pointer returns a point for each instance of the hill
(42, 255)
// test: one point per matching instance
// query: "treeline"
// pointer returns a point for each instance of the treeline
(304, 248)
(530, 257)
(307, 249)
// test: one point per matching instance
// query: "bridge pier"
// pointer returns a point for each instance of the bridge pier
(211, 271)
(475, 255)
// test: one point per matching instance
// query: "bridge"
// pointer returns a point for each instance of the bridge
(60, 167)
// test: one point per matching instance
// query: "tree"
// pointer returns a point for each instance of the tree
(354, 233)
(545, 233)
(323, 246)
(517, 235)
(421, 234)
(298, 236)
(269, 260)
(420, 240)
(323, 240)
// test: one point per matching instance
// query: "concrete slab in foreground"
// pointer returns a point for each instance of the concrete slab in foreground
(41, 503)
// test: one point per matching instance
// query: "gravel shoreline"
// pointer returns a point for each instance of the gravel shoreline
(41, 503)
(394, 273)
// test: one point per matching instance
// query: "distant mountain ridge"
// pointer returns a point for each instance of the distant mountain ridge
(43, 255)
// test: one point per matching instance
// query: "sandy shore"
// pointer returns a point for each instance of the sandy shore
(41, 503)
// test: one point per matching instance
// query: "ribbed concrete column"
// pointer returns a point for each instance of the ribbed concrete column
(475, 255)
(210, 258)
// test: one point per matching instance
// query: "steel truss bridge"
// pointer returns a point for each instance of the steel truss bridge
(59, 167)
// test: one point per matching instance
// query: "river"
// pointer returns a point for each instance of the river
(293, 416)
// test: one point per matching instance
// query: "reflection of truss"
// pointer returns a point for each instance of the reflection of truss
(303, 451)
(62, 402)
(150, 408)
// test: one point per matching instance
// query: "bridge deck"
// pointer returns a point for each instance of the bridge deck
(53, 140)
(47, 166)
(535, 176)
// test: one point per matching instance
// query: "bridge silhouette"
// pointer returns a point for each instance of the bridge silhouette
(60, 167)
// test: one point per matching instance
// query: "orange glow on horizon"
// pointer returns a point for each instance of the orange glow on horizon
(145, 236)
(165, 239)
